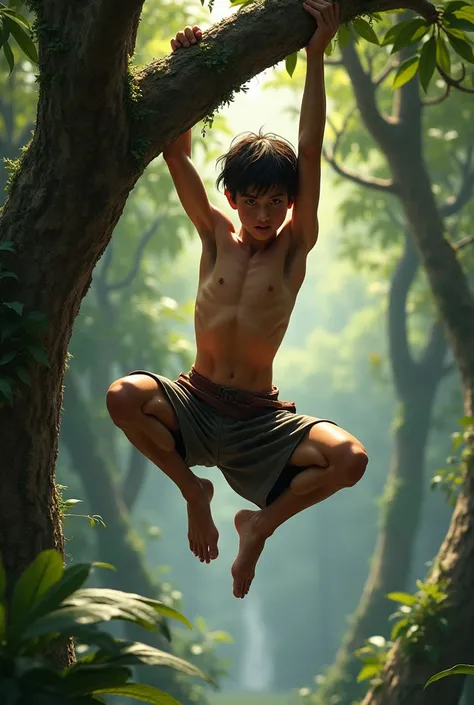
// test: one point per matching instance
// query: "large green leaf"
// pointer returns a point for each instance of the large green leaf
(462, 48)
(126, 599)
(462, 669)
(427, 62)
(145, 693)
(89, 678)
(368, 671)
(406, 71)
(344, 35)
(135, 654)
(46, 570)
(73, 578)
(9, 56)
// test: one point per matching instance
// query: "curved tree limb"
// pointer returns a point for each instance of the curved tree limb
(455, 82)
(403, 365)
(466, 188)
(384, 185)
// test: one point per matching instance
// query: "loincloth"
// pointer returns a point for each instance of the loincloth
(249, 436)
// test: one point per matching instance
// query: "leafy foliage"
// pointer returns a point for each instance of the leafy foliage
(16, 26)
(48, 606)
(451, 478)
(461, 669)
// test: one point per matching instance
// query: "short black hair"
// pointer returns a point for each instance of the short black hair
(259, 161)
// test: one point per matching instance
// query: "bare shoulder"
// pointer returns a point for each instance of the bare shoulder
(222, 224)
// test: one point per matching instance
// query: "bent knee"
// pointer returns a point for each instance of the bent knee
(122, 400)
(354, 461)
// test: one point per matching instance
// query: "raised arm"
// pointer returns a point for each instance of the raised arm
(177, 155)
(312, 123)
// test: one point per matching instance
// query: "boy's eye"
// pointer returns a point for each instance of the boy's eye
(250, 201)
(276, 201)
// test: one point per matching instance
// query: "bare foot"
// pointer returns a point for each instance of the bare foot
(202, 532)
(251, 546)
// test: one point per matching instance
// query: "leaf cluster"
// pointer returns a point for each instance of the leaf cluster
(450, 478)
(47, 607)
(16, 26)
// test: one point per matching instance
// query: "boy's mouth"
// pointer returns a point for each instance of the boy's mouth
(262, 227)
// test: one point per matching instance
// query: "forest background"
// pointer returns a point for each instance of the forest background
(336, 362)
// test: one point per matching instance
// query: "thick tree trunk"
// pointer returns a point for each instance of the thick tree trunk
(415, 385)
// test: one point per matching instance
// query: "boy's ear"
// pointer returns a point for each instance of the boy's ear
(231, 201)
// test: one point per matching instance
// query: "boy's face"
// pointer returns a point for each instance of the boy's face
(261, 214)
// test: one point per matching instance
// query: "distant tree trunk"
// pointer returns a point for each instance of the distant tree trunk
(415, 386)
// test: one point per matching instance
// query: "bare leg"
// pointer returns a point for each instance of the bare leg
(146, 425)
(341, 463)
(254, 527)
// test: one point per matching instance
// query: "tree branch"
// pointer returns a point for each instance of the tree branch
(195, 82)
(438, 99)
(365, 95)
(468, 240)
(384, 185)
(144, 240)
(455, 82)
(403, 365)
(114, 29)
(455, 204)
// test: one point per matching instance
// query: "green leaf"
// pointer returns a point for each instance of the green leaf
(290, 63)
(8, 357)
(38, 353)
(462, 669)
(405, 33)
(368, 671)
(145, 693)
(344, 35)
(135, 654)
(364, 30)
(7, 246)
(23, 39)
(329, 49)
(9, 56)
(85, 679)
(72, 503)
(462, 48)
(398, 627)
(8, 275)
(442, 55)
(6, 389)
(406, 71)
(16, 306)
(454, 5)
(427, 62)
(404, 597)
(23, 374)
(19, 18)
(46, 570)
(459, 21)
(72, 579)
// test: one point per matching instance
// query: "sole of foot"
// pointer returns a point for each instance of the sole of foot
(202, 532)
(251, 543)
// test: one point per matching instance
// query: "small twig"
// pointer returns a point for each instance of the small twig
(455, 82)
(146, 237)
(456, 203)
(385, 73)
(440, 98)
(468, 240)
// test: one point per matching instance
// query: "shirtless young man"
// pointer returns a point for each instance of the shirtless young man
(226, 412)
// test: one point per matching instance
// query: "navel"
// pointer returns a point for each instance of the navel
(221, 281)
(271, 287)
(232, 375)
